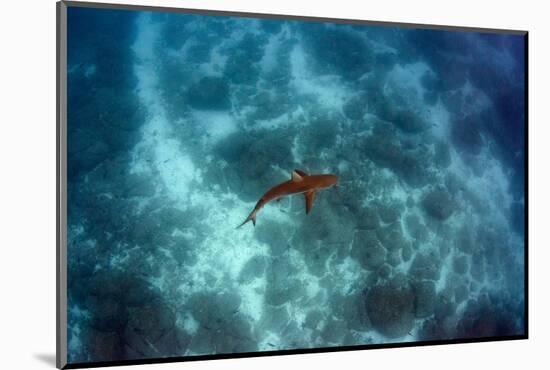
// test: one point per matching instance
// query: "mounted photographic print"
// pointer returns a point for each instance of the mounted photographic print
(235, 184)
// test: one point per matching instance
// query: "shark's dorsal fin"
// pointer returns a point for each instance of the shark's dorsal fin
(296, 176)
(300, 172)
(310, 195)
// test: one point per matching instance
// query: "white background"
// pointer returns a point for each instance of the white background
(27, 183)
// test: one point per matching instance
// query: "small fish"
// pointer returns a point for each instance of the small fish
(300, 183)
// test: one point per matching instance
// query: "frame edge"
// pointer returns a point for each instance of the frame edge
(61, 188)
(61, 191)
(291, 17)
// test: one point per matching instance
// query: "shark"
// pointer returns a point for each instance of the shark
(299, 183)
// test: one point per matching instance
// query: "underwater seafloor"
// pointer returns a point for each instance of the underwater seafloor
(177, 124)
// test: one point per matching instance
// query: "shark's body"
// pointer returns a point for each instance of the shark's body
(300, 183)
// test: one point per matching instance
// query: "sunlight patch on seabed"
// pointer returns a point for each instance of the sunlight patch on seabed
(252, 298)
(309, 281)
(217, 124)
(190, 324)
(329, 90)
(158, 151)
(492, 186)
(275, 41)
(280, 122)
(407, 77)
(347, 273)
(473, 99)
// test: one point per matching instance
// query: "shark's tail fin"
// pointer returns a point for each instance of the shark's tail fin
(251, 217)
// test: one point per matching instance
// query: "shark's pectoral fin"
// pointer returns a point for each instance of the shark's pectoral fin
(310, 195)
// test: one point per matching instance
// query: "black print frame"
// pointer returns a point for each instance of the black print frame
(236, 184)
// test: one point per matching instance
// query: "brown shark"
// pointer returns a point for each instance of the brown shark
(300, 183)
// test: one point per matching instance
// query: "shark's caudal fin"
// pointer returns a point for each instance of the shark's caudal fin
(251, 217)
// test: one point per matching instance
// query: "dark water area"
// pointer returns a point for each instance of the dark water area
(177, 124)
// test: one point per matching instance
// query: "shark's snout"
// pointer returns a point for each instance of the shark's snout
(330, 180)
